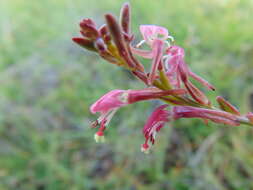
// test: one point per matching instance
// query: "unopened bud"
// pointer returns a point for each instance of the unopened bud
(88, 29)
(103, 30)
(125, 17)
(100, 45)
(196, 94)
(85, 43)
(226, 106)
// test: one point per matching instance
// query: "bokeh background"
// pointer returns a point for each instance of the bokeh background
(47, 84)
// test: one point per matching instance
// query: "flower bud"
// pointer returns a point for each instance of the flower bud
(118, 39)
(197, 94)
(125, 17)
(103, 31)
(226, 106)
(85, 43)
(88, 29)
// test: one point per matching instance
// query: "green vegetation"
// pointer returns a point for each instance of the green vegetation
(47, 84)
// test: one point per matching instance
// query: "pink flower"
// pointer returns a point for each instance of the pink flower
(175, 61)
(108, 104)
(88, 29)
(213, 115)
(155, 37)
(150, 33)
(118, 98)
(111, 100)
(155, 122)
(178, 72)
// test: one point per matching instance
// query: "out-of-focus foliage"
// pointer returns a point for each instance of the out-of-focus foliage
(47, 84)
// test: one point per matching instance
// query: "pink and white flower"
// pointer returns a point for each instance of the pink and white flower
(108, 104)
(174, 60)
(168, 79)
(150, 33)
(155, 122)
(155, 37)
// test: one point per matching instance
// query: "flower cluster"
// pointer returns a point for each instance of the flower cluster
(167, 80)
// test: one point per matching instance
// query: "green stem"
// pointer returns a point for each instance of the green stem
(164, 79)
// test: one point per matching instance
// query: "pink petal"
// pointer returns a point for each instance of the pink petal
(175, 51)
(201, 80)
(157, 52)
(152, 31)
(109, 101)
(143, 53)
(155, 122)
(177, 55)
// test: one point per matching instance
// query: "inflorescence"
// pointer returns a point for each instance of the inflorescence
(167, 80)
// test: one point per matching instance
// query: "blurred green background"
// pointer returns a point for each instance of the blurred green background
(47, 84)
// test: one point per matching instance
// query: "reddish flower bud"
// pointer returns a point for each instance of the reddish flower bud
(89, 29)
(103, 31)
(141, 76)
(88, 44)
(201, 80)
(182, 71)
(125, 18)
(118, 39)
(89, 22)
(100, 45)
(213, 115)
(103, 52)
(196, 94)
(226, 106)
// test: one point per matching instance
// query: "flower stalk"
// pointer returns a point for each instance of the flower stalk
(168, 79)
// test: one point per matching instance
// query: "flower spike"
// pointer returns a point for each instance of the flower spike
(169, 77)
